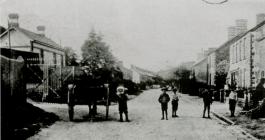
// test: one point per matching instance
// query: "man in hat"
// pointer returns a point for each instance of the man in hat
(122, 100)
(163, 100)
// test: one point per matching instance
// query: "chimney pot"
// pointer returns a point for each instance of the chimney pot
(260, 18)
(41, 30)
(13, 20)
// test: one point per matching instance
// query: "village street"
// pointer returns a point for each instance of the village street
(145, 124)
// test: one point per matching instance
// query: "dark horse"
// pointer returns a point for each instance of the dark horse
(88, 89)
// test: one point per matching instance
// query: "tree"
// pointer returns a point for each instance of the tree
(70, 57)
(221, 74)
(183, 79)
(96, 53)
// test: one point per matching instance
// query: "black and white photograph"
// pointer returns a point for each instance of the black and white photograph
(132, 69)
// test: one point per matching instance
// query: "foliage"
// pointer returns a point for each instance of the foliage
(182, 73)
(221, 74)
(96, 53)
(70, 57)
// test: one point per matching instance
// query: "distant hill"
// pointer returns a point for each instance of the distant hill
(169, 73)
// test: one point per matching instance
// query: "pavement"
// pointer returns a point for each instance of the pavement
(145, 124)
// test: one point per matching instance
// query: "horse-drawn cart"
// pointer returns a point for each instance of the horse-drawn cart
(83, 90)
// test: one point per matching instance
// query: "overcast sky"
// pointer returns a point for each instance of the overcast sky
(152, 34)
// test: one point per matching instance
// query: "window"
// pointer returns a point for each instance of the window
(54, 58)
(239, 48)
(236, 53)
(42, 56)
(244, 48)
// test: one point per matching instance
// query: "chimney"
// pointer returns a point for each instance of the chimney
(260, 18)
(41, 30)
(241, 26)
(13, 20)
(232, 32)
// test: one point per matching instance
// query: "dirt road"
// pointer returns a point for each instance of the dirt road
(145, 115)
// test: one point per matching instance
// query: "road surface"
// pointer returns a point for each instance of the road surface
(145, 115)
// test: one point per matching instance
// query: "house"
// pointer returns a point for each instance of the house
(200, 70)
(247, 57)
(127, 73)
(21, 39)
(141, 75)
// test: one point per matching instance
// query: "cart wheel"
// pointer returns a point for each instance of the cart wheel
(71, 112)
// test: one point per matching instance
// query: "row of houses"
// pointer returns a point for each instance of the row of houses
(241, 57)
(136, 74)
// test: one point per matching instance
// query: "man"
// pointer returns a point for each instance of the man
(207, 100)
(259, 93)
(163, 100)
(122, 100)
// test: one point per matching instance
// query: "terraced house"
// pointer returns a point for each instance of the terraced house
(247, 56)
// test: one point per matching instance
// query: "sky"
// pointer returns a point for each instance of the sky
(151, 34)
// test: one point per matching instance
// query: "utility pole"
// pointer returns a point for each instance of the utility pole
(10, 57)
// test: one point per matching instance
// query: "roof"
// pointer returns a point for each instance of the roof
(232, 40)
(36, 37)
(143, 71)
(200, 61)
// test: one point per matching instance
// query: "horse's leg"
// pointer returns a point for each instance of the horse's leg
(95, 107)
(89, 112)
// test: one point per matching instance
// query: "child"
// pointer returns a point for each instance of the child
(207, 100)
(232, 102)
(174, 102)
(163, 100)
(122, 100)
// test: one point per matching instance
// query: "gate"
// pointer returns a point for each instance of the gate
(46, 80)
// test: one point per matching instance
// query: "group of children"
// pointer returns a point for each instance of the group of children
(163, 100)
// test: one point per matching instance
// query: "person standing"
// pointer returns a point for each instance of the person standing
(122, 100)
(259, 93)
(232, 102)
(174, 102)
(207, 100)
(246, 98)
(163, 100)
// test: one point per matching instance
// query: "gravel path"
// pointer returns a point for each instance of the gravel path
(144, 113)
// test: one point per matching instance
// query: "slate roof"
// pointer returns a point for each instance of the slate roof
(143, 71)
(36, 37)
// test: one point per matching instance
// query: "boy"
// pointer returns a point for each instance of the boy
(207, 100)
(174, 103)
(122, 100)
(163, 100)
(232, 102)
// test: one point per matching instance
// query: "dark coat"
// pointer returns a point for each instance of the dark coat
(122, 100)
(260, 92)
(207, 97)
(164, 98)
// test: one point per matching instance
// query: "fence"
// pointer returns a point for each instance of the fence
(45, 79)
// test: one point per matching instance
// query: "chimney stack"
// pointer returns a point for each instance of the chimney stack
(260, 18)
(232, 32)
(13, 20)
(241, 25)
(41, 30)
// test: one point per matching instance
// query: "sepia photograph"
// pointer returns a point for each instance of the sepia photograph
(132, 69)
